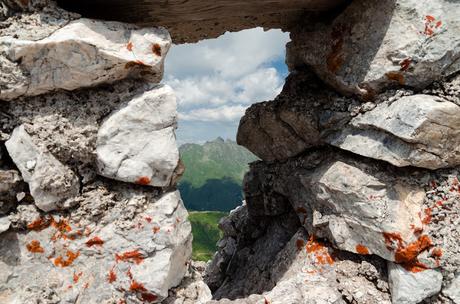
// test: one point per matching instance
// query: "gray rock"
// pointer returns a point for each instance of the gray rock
(83, 53)
(418, 130)
(375, 44)
(51, 183)
(453, 290)
(412, 288)
(10, 184)
(137, 143)
(4, 224)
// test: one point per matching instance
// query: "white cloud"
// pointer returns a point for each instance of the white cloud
(222, 114)
(216, 80)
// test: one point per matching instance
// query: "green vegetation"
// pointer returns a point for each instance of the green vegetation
(205, 233)
(214, 173)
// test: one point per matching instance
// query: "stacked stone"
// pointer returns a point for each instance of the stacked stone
(88, 207)
(363, 145)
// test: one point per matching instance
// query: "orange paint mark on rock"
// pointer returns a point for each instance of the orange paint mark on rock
(35, 247)
(299, 244)
(396, 76)
(65, 262)
(143, 180)
(156, 49)
(95, 241)
(409, 254)
(361, 249)
(134, 256)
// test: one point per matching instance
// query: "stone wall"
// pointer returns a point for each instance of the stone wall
(356, 198)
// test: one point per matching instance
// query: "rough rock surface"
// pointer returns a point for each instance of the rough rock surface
(411, 288)
(82, 53)
(375, 44)
(137, 143)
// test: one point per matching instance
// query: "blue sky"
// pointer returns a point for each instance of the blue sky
(216, 80)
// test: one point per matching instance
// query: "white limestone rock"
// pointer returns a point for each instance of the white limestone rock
(137, 144)
(4, 224)
(418, 130)
(453, 290)
(375, 44)
(360, 208)
(83, 53)
(50, 181)
(134, 251)
(411, 288)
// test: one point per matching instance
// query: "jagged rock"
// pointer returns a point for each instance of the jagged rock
(83, 53)
(10, 185)
(50, 182)
(192, 289)
(124, 243)
(418, 130)
(453, 290)
(137, 143)
(412, 288)
(4, 224)
(375, 44)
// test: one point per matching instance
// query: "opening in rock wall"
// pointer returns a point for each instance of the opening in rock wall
(215, 81)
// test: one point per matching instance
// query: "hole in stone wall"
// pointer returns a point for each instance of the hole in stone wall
(215, 81)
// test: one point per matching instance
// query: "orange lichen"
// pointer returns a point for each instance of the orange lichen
(129, 274)
(35, 247)
(430, 26)
(143, 180)
(112, 276)
(71, 256)
(299, 244)
(95, 241)
(361, 249)
(136, 286)
(76, 277)
(393, 239)
(40, 224)
(266, 301)
(409, 254)
(396, 76)
(148, 219)
(148, 297)
(405, 64)
(156, 229)
(335, 58)
(156, 49)
(129, 46)
(427, 219)
(134, 256)
(437, 253)
(414, 266)
(320, 251)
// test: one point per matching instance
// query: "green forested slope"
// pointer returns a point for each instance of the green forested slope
(205, 233)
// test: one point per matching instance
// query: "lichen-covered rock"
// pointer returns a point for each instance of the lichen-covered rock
(137, 143)
(412, 288)
(374, 44)
(121, 244)
(418, 130)
(82, 53)
(51, 183)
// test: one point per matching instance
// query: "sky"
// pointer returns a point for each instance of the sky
(215, 80)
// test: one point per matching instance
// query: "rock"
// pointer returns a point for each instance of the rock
(418, 130)
(375, 44)
(453, 290)
(4, 224)
(135, 250)
(137, 143)
(411, 288)
(10, 184)
(50, 181)
(83, 53)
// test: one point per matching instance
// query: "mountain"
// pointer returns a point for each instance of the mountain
(214, 173)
